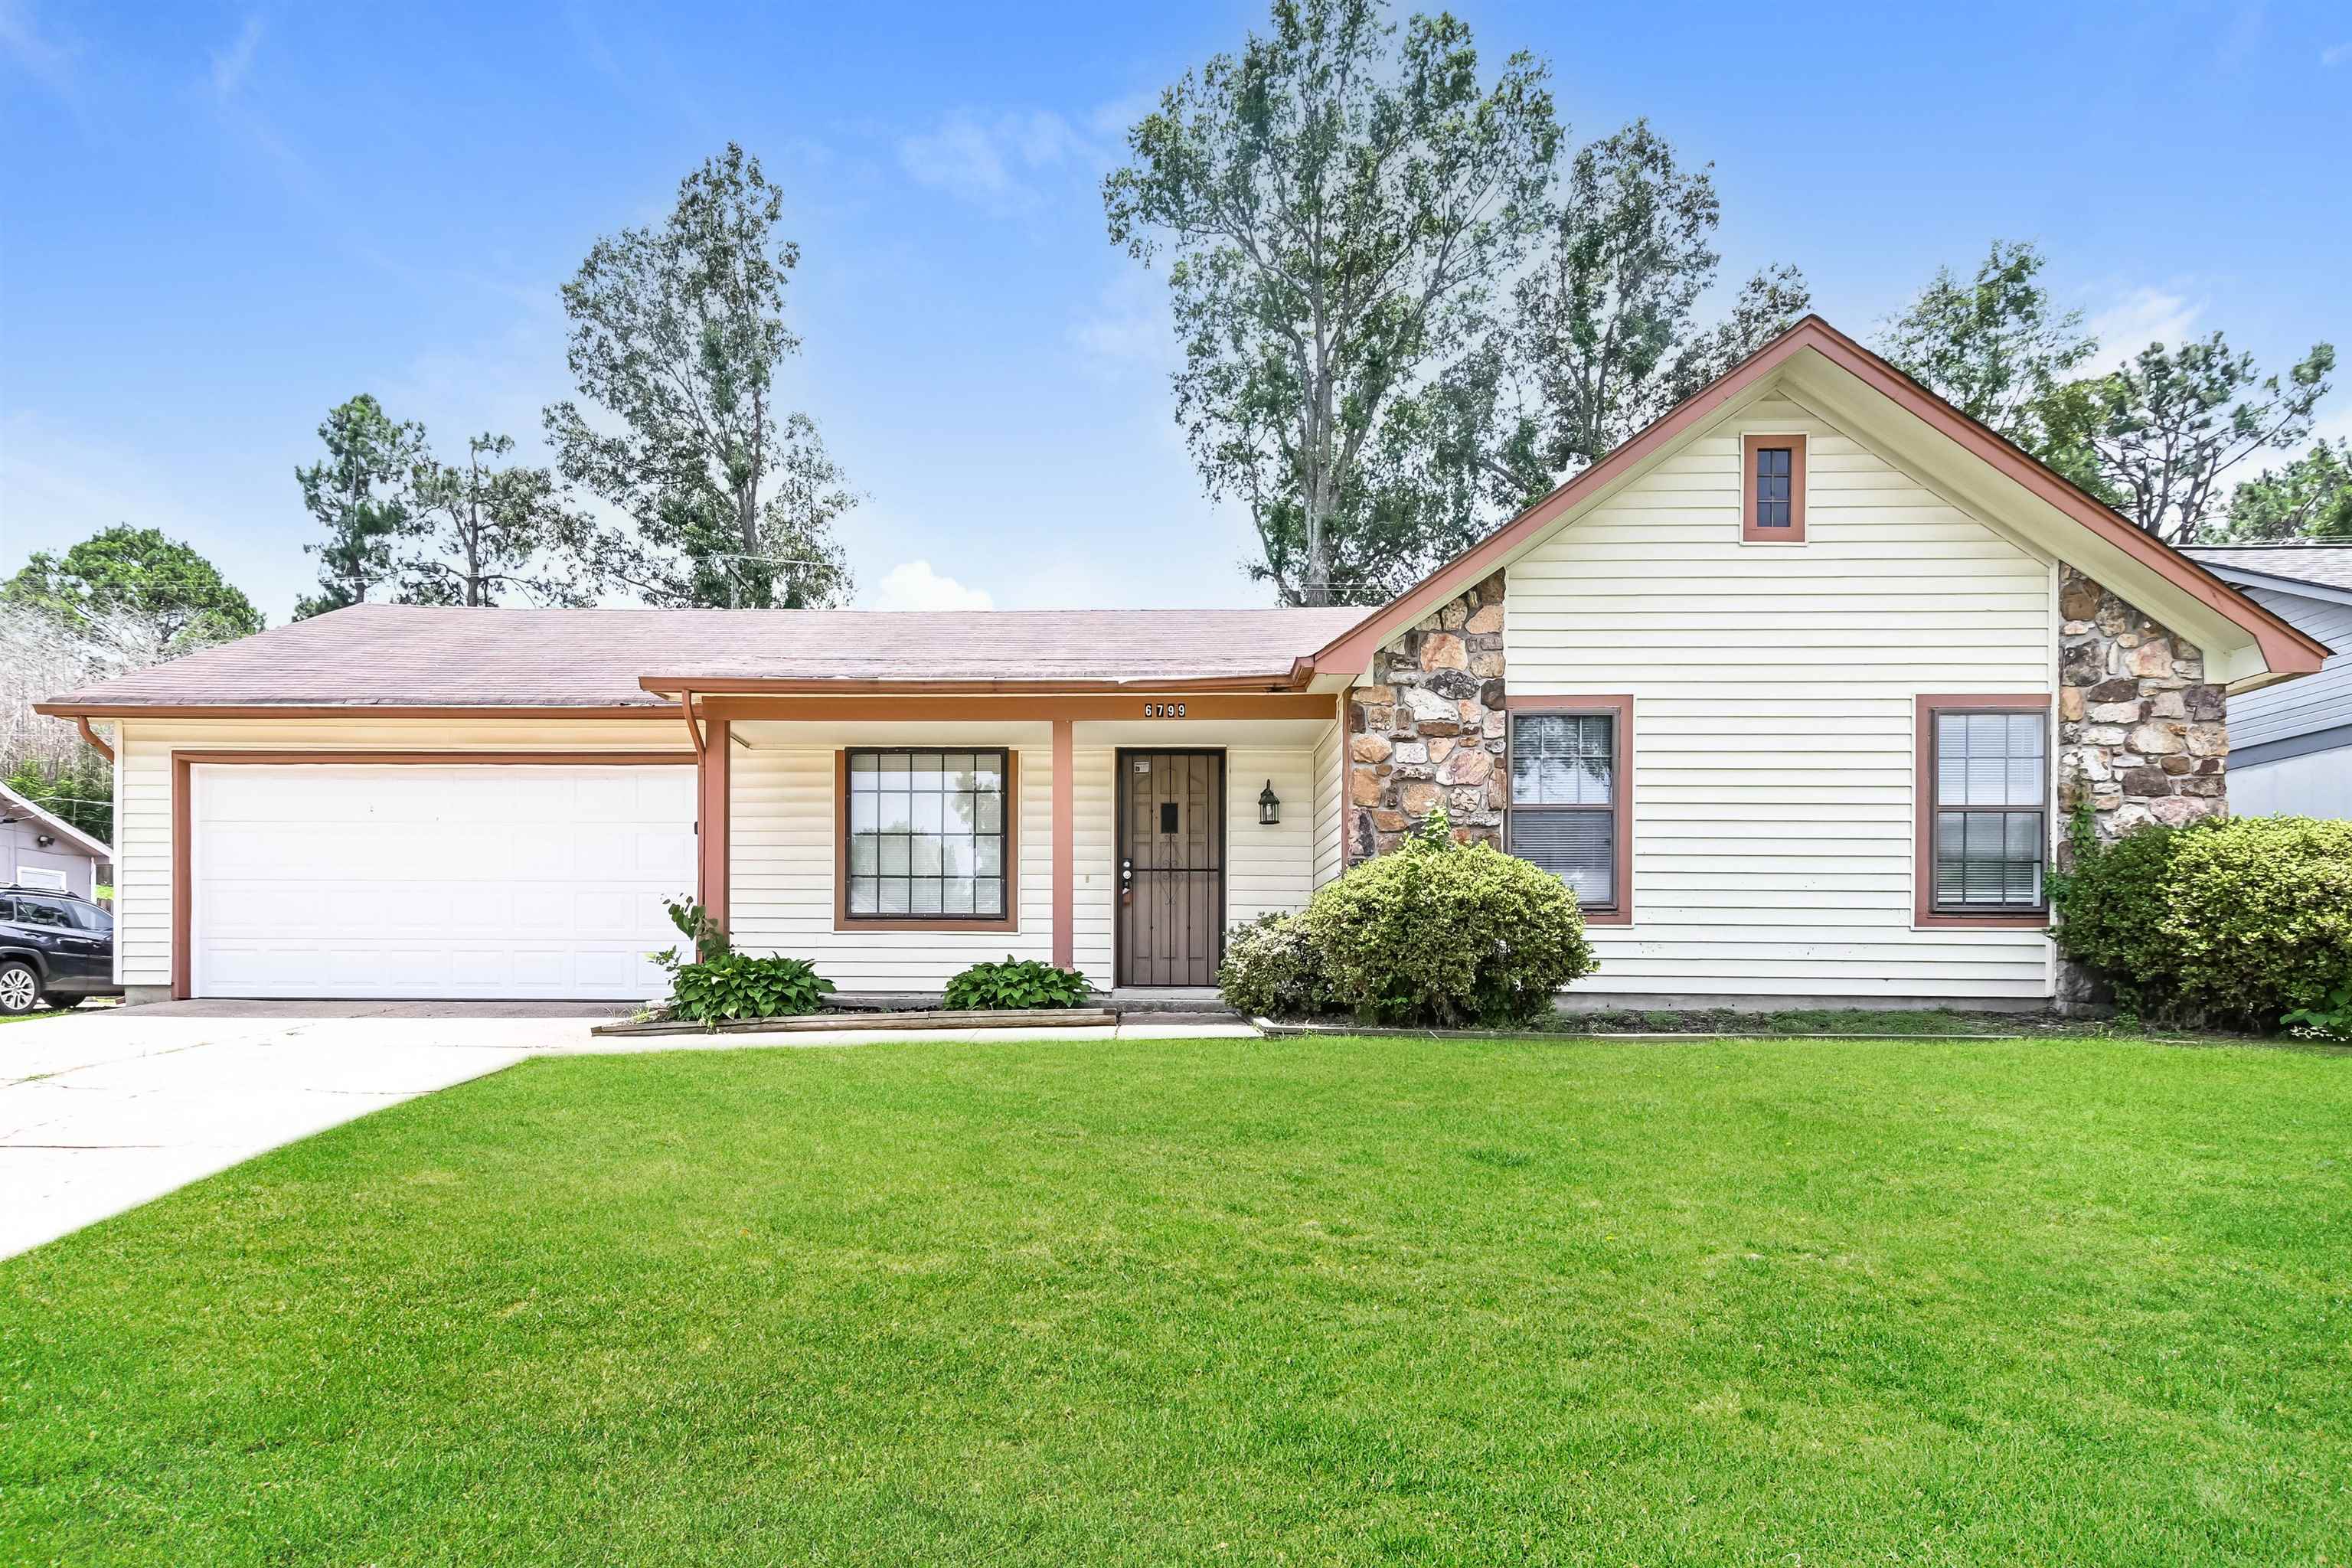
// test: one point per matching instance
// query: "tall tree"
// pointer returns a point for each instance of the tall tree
(2309, 497)
(139, 572)
(480, 530)
(1339, 211)
(1993, 346)
(677, 332)
(359, 494)
(1603, 335)
(2162, 433)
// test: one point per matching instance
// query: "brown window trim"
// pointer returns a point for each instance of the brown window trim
(1924, 913)
(1795, 532)
(844, 920)
(1619, 707)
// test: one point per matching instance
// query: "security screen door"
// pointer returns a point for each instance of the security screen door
(1172, 867)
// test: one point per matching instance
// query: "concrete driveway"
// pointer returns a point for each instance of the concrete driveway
(100, 1111)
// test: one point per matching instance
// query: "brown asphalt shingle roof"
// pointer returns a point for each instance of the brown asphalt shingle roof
(430, 656)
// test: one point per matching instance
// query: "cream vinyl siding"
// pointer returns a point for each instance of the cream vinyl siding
(1268, 871)
(143, 771)
(1773, 687)
(783, 868)
(782, 873)
(1330, 763)
(1095, 831)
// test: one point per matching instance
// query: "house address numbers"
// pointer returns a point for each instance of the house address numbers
(1163, 711)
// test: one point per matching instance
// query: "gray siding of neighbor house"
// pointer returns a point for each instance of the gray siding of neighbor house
(2321, 701)
(2291, 745)
(19, 849)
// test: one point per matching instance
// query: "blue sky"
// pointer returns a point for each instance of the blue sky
(218, 221)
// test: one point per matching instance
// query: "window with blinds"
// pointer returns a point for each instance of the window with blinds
(926, 835)
(1990, 828)
(1565, 794)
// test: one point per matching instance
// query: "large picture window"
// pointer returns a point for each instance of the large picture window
(1569, 809)
(928, 836)
(1985, 808)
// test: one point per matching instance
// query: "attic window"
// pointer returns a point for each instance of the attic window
(1772, 490)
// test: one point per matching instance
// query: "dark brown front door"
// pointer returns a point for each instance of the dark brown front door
(1172, 867)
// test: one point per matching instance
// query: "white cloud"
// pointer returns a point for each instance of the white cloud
(990, 161)
(998, 161)
(2335, 56)
(1128, 327)
(2336, 425)
(21, 42)
(2145, 315)
(233, 64)
(913, 586)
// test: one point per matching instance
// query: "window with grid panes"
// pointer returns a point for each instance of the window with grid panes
(926, 835)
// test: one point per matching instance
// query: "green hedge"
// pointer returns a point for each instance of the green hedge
(1435, 932)
(2242, 920)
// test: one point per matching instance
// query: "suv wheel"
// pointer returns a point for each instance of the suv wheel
(20, 987)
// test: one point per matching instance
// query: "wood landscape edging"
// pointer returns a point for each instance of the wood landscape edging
(991, 1019)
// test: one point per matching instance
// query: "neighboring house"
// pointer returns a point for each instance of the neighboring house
(2291, 747)
(1788, 687)
(41, 849)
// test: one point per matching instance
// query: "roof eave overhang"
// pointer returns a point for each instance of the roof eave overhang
(2246, 645)
(70, 708)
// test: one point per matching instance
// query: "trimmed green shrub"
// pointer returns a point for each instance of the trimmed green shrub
(1272, 970)
(1444, 934)
(2240, 920)
(2110, 906)
(741, 987)
(1016, 982)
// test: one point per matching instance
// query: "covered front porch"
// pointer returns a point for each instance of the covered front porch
(894, 839)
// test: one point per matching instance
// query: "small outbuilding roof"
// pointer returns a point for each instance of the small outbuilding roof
(12, 803)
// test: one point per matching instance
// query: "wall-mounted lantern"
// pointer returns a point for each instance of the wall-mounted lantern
(1269, 805)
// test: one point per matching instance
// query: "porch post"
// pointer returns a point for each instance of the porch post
(714, 827)
(1065, 853)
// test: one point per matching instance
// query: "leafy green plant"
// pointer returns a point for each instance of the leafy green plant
(1446, 933)
(718, 985)
(706, 938)
(2330, 1020)
(739, 985)
(2246, 921)
(1272, 970)
(1016, 982)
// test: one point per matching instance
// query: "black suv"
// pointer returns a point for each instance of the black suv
(55, 950)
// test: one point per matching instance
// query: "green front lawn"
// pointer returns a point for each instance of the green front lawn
(1236, 1302)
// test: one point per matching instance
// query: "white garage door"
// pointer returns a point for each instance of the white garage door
(430, 881)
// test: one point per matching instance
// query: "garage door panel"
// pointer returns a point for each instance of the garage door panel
(459, 881)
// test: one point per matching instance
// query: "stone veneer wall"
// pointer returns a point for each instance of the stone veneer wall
(1430, 728)
(2139, 725)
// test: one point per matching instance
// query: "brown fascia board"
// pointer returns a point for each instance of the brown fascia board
(2286, 650)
